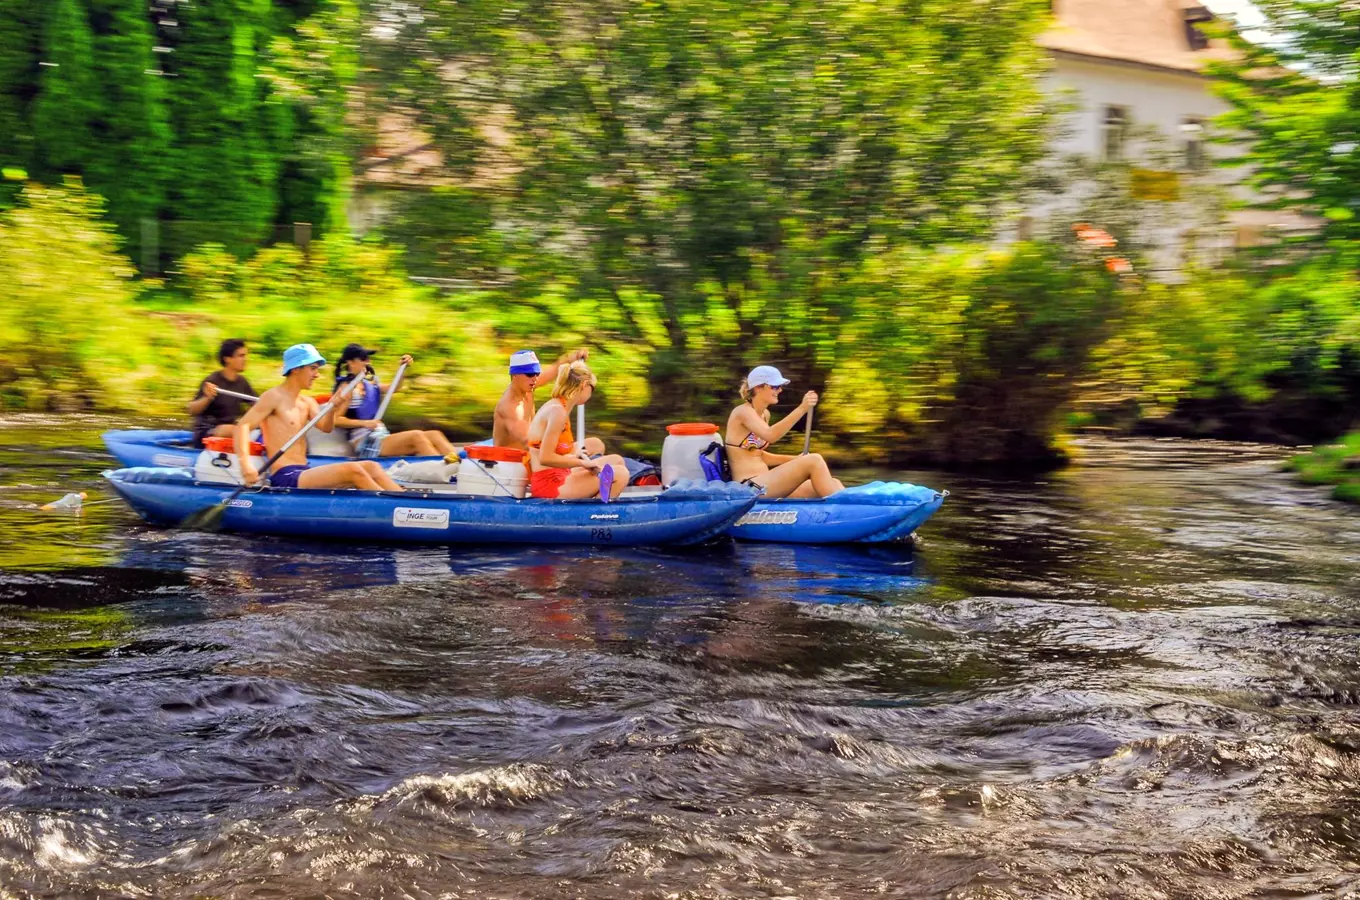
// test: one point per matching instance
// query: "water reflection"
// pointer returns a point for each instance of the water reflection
(1131, 678)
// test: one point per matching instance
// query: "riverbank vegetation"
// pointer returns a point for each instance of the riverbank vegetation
(1336, 464)
(687, 190)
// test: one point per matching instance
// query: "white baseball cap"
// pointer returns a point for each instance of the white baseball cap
(765, 375)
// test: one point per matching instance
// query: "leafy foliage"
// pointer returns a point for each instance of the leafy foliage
(1294, 103)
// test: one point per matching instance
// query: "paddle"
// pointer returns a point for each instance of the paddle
(226, 393)
(807, 432)
(210, 518)
(606, 472)
(391, 389)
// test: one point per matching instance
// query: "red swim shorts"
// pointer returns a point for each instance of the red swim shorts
(547, 483)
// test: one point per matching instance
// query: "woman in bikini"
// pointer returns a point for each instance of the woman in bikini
(749, 434)
(365, 434)
(555, 471)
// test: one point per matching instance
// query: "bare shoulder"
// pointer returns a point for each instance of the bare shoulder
(742, 415)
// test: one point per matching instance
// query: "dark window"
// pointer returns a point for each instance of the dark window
(1115, 129)
(1192, 131)
(1194, 17)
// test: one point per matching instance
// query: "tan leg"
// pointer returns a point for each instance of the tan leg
(594, 446)
(583, 483)
(338, 475)
(365, 475)
(380, 476)
(440, 443)
(788, 479)
(223, 431)
(407, 443)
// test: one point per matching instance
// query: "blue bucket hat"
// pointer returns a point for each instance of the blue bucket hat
(524, 362)
(300, 355)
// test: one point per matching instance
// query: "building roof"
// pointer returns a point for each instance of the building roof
(1143, 32)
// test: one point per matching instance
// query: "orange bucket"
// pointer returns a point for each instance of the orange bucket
(685, 429)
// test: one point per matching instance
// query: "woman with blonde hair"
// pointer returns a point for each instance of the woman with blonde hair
(555, 469)
(749, 434)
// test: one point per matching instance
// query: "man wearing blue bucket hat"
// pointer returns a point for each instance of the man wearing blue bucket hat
(283, 411)
(516, 408)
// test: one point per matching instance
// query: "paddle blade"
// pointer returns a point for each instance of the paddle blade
(606, 482)
(207, 519)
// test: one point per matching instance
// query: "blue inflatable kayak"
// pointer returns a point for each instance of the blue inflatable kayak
(685, 513)
(141, 447)
(869, 513)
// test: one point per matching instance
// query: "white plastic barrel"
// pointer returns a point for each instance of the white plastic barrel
(493, 472)
(219, 465)
(680, 452)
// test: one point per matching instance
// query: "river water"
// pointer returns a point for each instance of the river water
(1136, 677)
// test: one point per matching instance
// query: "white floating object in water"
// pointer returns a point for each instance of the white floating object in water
(70, 501)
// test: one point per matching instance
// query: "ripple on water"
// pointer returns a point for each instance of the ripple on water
(1132, 678)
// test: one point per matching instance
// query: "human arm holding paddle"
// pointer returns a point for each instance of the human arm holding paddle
(272, 402)
(755, 423)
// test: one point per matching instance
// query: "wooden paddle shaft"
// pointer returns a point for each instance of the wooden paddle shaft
(807, 432)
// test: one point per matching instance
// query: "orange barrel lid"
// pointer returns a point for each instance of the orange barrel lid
(684, 429)
(322, 398)
(228, 445)
(495, 454)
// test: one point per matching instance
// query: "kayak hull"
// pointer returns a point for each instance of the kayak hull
(871, 513)
(142, 448)
(683, 514)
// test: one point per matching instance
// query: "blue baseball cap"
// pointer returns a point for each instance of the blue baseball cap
(524, 362)
(300, 355)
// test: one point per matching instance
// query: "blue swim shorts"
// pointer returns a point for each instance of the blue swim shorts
(287, 477)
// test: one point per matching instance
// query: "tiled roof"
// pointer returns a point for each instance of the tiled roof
(1146, 32)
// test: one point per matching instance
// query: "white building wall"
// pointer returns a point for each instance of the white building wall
(1156, 97)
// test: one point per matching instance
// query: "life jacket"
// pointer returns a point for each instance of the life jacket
(713, 460)
(365, 407)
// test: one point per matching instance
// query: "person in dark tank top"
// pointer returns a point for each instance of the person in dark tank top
(365, 433)
(214, 414)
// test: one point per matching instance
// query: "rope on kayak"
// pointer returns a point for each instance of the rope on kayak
(487, 472)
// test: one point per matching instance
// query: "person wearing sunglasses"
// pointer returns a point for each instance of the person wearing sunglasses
(749, 435)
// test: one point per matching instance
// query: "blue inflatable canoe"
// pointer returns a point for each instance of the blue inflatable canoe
(140, 448)
(685, 513)
(869, 513)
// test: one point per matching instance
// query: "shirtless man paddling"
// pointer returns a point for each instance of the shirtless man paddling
(516, 409)
(281, 412)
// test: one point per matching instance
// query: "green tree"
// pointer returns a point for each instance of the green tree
(131, 131)
(227, 131)
(1295, 105)
(734, 161)
(66, 102)
(20, 33)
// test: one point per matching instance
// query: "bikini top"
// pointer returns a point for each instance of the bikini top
(565, 441)
(750, 442)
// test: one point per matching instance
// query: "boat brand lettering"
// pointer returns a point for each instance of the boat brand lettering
(415, 517)
(769, 517)
(604, 515)
(241, 503)
(169, 459)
